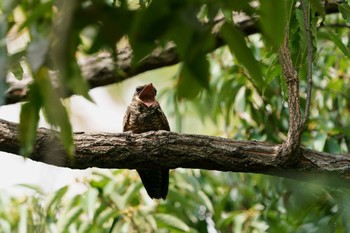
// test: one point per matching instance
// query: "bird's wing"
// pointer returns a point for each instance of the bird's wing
(164, 120)
(126, 120)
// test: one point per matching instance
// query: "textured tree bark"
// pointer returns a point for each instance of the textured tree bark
(165, 149)
(289, 149)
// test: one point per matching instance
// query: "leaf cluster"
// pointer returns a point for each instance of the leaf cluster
(198, 201)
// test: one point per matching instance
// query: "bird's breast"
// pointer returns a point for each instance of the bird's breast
(145, 119)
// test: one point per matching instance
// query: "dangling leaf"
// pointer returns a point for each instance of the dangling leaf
(29, 119)
(3, 58)
(56, 113)
(149, 24)
(273, 20)
(64, 51)
(38, 11)
(193, 77)
(337, 41)
(236, 42)
(317, 5)
(344, 9)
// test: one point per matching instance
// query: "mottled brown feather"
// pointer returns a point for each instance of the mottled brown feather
(140, 118)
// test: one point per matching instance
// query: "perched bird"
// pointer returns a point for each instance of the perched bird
(142, 115)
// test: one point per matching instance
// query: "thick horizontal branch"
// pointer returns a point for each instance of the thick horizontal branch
(173, 150)
(100, 70)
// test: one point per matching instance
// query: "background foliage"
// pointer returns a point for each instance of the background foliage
(237, 89)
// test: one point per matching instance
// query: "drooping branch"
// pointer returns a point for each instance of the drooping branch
(309, 63)
(173, 150)
(289, 150)
(101, 69)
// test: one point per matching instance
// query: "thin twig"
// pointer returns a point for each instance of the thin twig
(309, 64)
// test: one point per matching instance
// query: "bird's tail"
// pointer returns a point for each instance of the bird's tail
(156, 182)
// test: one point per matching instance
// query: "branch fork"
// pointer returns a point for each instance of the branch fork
(289, 151)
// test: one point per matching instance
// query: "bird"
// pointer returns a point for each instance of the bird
(142, 115)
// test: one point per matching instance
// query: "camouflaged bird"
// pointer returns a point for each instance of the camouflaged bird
(142, 115)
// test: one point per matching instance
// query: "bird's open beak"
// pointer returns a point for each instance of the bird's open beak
(147, 95)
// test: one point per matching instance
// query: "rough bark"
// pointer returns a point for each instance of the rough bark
(163, 149)
(290, 148)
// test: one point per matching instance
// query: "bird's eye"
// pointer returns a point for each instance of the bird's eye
(138, 89)
(155, 91)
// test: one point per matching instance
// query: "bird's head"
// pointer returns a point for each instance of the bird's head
(146, 94)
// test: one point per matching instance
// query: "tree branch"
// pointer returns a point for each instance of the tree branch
(309, 64)
(173, 150)
(289, 150)
(101, 69)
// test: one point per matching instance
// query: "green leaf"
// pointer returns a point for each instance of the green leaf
(76, 81)
(273, 20)
(29, 119)
(244, 55)
(131, 192)
(69, 218)
(172, 222)
(8, 6)
(3, 58)
(89, 202)
(206, 201)
(23, 217)
(273, 71)
(344, 9)
(228, 15)
(193, 77)
(149, 24)
(317, 6)
(332, 146)
(104, 17)
(302, 31)
(338, 42)
(37, 13)
(64, 51)
(117, 200)
(37, 51)
(56, 199)
(188, 87)
(240, 100)
(320, 141)
(33, 187)
(106, 215)
(53, 108)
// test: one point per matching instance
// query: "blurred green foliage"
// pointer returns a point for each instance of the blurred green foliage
(238, 89)
(198, 201)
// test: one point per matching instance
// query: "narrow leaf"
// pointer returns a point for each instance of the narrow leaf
(3, 58)
(188, 87)
(56, 199)
(344, 9)
(172, 222)
(69, 218)
(320, 141)
(56, 113)
(338, 42)
(89, 202)
(244, 55)
(273, 20)
(37, 13)
(29, 119)
(317, 6)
